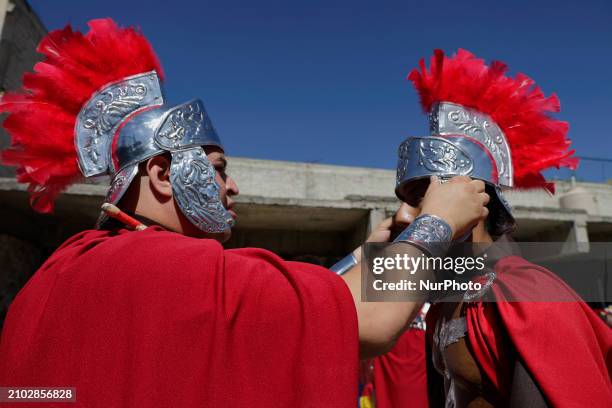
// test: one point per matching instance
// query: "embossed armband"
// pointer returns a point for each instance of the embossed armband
(429, 233)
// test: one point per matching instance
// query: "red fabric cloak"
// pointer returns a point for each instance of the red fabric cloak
(400, 376)
(564, 345)
(157, 319)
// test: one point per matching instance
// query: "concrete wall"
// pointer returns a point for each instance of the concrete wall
(281, 203)
(584, 210)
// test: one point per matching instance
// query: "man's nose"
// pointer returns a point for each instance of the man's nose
(232, 188)
(405, 215)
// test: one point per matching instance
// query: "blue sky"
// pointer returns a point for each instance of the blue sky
(324, 81)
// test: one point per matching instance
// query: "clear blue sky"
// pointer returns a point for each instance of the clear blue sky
(324, 81)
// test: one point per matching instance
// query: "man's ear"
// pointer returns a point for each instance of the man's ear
(158, 170)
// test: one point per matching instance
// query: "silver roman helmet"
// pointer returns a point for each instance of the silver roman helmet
(94, 106)
(462, 142)
(485, 125)
(128, 122)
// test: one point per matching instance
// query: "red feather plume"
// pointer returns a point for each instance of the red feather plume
(42, 117)
(519, 107)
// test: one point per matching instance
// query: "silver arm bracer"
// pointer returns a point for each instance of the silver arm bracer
(427, 232)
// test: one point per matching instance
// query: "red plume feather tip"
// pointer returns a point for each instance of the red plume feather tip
(42, 116)
(537, 141)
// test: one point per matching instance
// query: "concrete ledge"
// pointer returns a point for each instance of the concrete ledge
(278, 195)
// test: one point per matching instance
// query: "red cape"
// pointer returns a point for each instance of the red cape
(400, 376)
(157, 319)
(565, 346)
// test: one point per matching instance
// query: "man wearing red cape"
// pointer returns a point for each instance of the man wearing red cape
(157, 313)
(398, 378)
(525, 339)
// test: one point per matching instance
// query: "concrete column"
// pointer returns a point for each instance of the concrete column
(577, 240)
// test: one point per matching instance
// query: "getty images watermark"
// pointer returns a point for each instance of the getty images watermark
(410, 264)
(525, 272)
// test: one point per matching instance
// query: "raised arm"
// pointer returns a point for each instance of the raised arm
(460, 203)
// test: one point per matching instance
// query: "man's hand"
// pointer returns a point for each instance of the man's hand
(461, 202)
(386, 230)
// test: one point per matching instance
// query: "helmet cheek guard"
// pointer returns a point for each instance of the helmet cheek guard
(196, 192)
